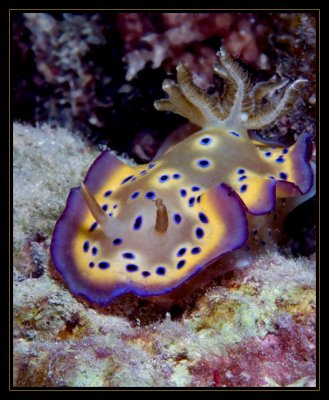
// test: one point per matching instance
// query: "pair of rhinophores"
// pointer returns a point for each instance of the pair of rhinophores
(146, 229)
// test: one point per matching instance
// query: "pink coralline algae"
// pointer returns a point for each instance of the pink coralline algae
(283, 358)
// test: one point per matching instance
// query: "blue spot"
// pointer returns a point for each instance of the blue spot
(241, 171)
(150, 195)
(146, 274)
(130, 256)
(285, 151)
(133, 179)
(181, 264)
(280, 159)
(181, 252)
(267, 154)
(243, 188)
(105, 207)
(111, 214)
(94, 250)
(143, 172)
(203, 163)
(283, 176)
(163, 178)
(177, 218)
(91, 264)
(242, 178)
(196, 250)
(195, 188)
(235, 134)
(131, 267)
(271, 177)
(203, 218)
(108, 193)
(183, 192)
(199, 233)
(138, 223)
(127, 179)
(86, 246)
(161, 270)
(205, 141)
(191, 201)
(117, 241)
(176, 176)
(198, 199)
(152, 165)
(135, 195)
(93, 226)
(103, 265)
(115, 206)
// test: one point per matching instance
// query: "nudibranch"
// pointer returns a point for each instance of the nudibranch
(149, 228)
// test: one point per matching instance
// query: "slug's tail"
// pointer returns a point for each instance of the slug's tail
(289, 174)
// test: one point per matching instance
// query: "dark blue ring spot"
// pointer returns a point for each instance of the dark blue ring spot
(203, 218)
(127, 179)
(161, 270)
(111, 214)
(199, 232)
(204, 163)
(267, 154)
(163, 178)
(117, 241)
(128, 255)
(183, 192)
(94, 250)
(152, 165)
(134, 195)
(241, 171)
(86, 246)
(280, 159)
(198, 199)
(205, 141)
(181, 264)
(283, 176)
(105, 207)
(176, 176)
(196, 250)
(146, 274)
(143, 172)
(150, 195)
(285, 151)
(115, 206)
(181, 252)
(131, 267)
(93, 226)
(191, 201)
(235, 134)
(91, 264)
(103, 265)
(195, 188)
(138, 223)
(108, 193)
(242, 178)
(177, 218)
(243, 188)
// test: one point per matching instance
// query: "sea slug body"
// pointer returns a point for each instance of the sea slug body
(148, 229)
